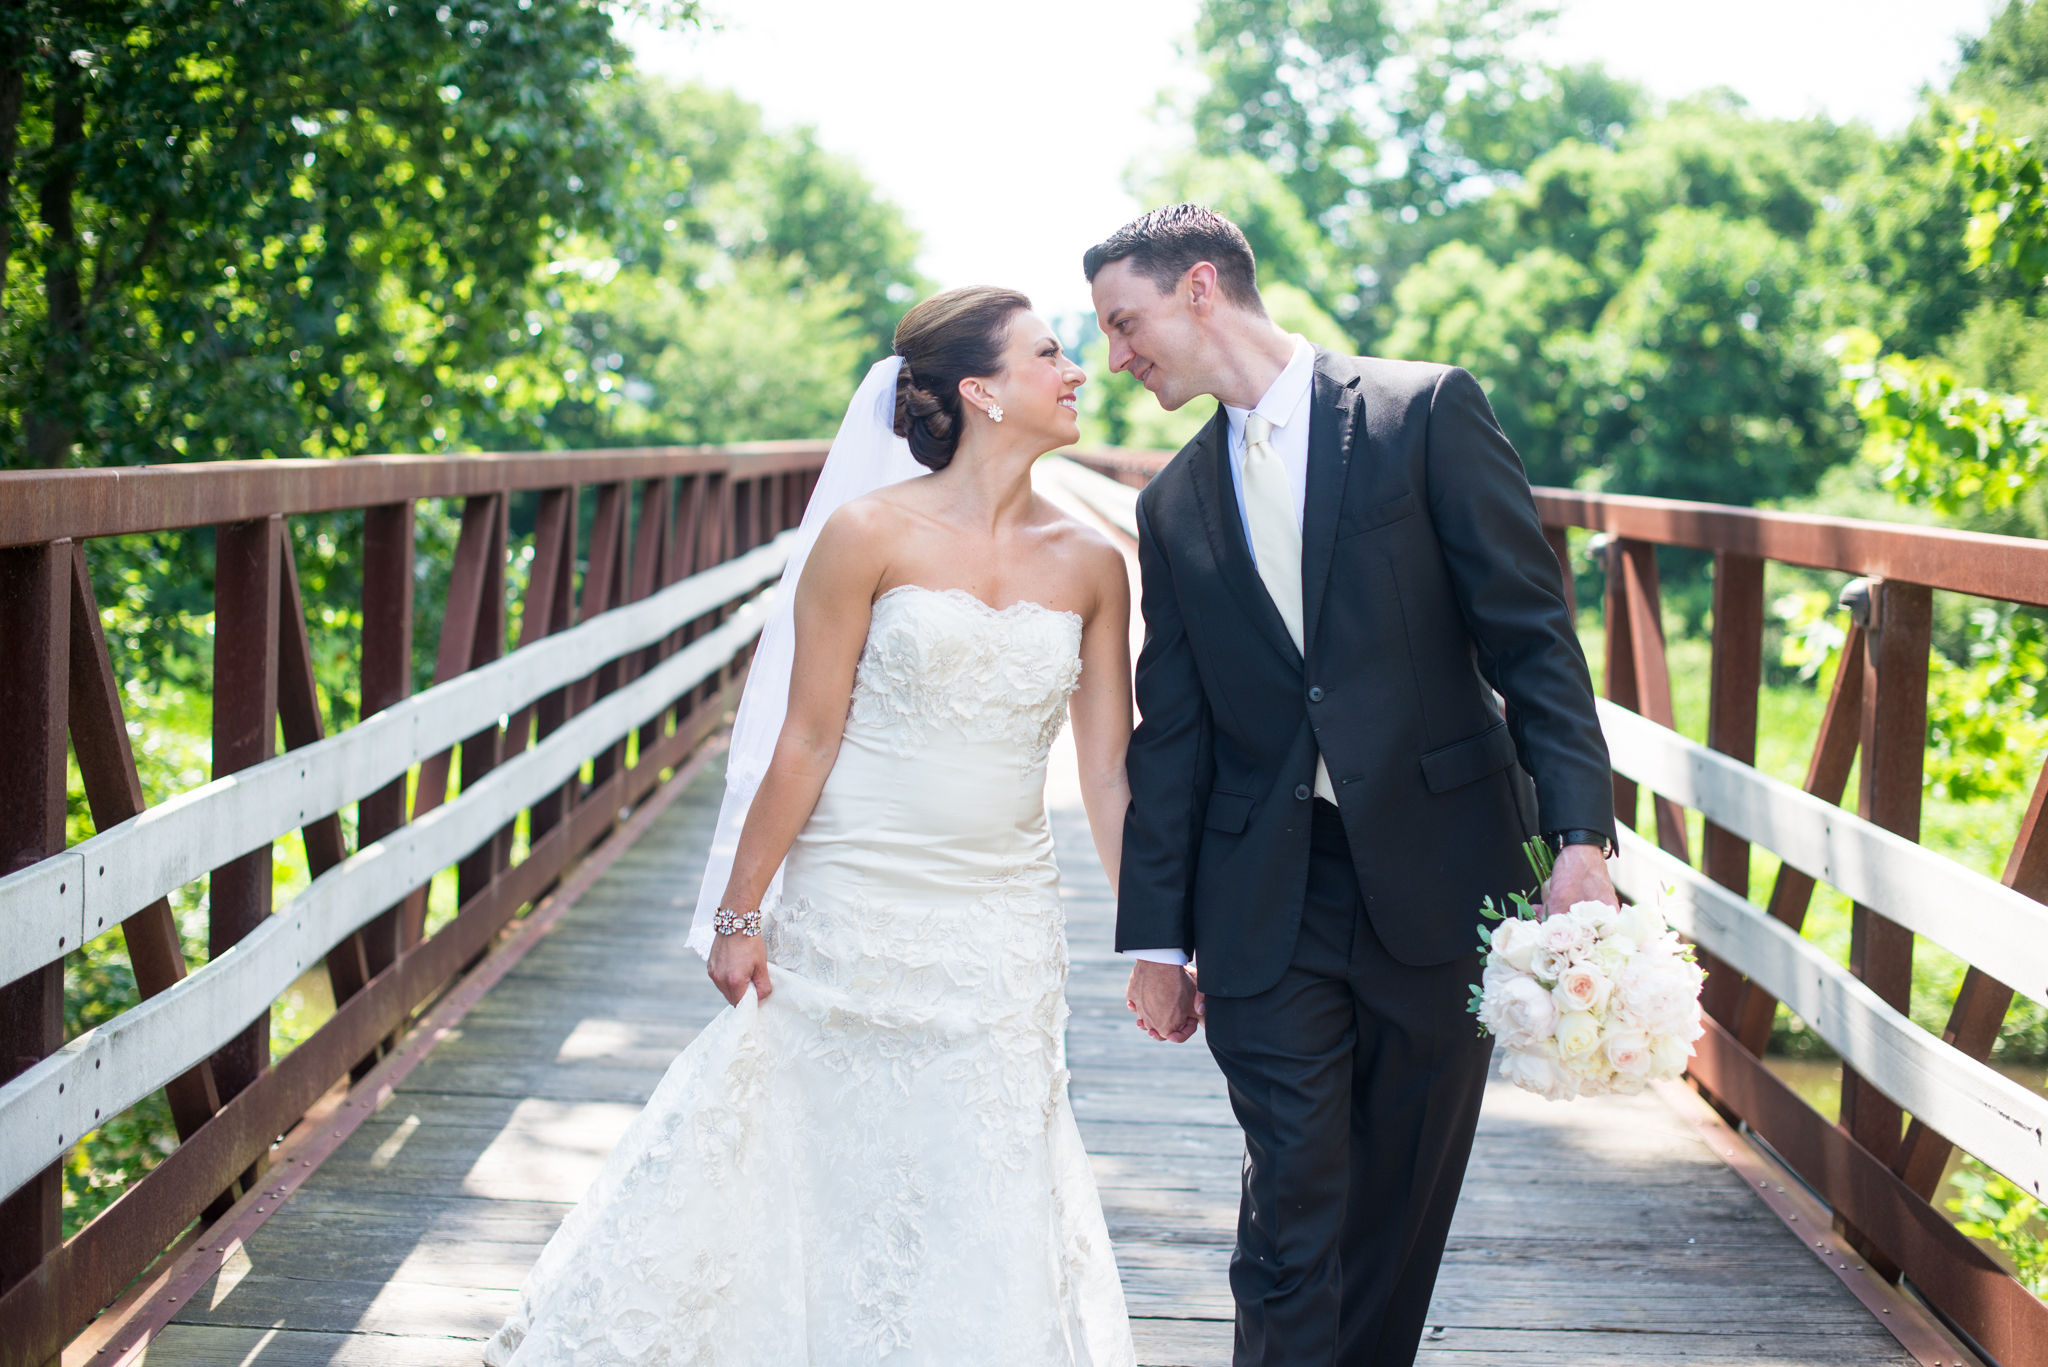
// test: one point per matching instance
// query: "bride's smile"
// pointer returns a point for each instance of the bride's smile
(1037, 392)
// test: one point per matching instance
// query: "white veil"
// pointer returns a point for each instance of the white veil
(866, 455)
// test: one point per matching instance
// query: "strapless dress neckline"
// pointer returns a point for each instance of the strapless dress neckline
(967, 599)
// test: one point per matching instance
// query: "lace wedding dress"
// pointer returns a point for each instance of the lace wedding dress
(877, 1164)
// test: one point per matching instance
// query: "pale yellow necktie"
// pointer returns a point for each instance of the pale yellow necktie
(1276, 541)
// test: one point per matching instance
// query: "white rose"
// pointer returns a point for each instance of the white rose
(1621, 1084)
(1566, 936)
(1526, 1013)
(1492, 982)
(1640, 923)
(1536, 1070)
(1610, 956)
(1599, 917)
(1514, 942)
(1668, 1054)
(1660, 995)
(1593, 1081)
(1582, 987)
(1578, 1036)
(1628, 1053)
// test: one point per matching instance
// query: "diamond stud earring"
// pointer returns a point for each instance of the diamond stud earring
(995, 412)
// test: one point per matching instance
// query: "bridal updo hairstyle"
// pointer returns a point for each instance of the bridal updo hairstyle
(943, 341)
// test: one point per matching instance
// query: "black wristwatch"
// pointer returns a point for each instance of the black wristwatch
(1557, 840)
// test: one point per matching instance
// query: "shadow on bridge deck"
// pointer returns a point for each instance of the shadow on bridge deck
(1599, 1232)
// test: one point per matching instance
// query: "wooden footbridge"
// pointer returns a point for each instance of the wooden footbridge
(376, 1193)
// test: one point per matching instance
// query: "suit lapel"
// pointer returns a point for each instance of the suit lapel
(1216, 493)
(1333, 414)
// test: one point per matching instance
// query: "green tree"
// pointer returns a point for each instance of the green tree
(1497, 321)
(748, 279)
(1641, 314)
(332, 210)
(1389, 129)
(1702, 379)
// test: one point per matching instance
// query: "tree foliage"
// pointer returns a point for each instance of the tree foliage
(2008, 199)
(750, 276)
(2008, 1216)
(1934, 440)
(1385, 125)
(330, 209)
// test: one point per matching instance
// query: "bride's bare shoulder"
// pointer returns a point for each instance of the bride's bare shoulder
(1086, 548)
(863, 530)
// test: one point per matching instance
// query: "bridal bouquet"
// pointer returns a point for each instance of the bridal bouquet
(1586, 1001)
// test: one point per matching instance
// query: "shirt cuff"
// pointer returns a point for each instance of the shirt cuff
(1177, 957)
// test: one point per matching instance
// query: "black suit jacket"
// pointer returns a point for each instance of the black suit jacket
(1427, 586)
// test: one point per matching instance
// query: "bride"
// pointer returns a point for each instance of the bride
(872, 1156)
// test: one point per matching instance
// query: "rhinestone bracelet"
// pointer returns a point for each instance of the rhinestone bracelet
(729, 922)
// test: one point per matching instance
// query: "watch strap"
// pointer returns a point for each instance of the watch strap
(1578, 835)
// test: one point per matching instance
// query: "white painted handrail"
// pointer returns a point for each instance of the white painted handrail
(109, 1068)
(2003, 932)
(1987, 1114)
(52, 907)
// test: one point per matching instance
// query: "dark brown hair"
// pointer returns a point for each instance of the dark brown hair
(1164, 243)
(943, 341)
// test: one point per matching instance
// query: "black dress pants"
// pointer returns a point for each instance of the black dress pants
(1357, 1080)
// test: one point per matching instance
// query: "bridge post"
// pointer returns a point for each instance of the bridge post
(35, 618)
(1638, 672)
(652, 543)
(542, 612)
(385, 679)
(1619, 685)
(246, 594)
(1737, 674)
(1898, 629)
(604, 582)
(555, 535)
(483, 751)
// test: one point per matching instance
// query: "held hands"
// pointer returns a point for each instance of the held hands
(1165, 1000)
(1580, 875)
(736, 961)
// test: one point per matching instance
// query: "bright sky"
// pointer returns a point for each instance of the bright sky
(1005, 130)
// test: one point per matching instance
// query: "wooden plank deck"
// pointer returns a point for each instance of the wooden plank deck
(1594, 1233)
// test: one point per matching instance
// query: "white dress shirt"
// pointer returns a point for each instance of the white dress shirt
(1285, 405)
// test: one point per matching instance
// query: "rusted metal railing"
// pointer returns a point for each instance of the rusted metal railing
(638, 657)
(1909, 1098)
(1876, 1170)
(652, 642)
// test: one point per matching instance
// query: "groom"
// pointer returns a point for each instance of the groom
(1341, 572)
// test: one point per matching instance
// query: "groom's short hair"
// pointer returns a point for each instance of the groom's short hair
(1163, 244)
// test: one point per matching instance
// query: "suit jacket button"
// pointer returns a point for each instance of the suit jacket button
(1301, 792)
(1315, 695)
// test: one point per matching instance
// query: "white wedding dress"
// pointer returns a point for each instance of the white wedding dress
(878, 1163)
